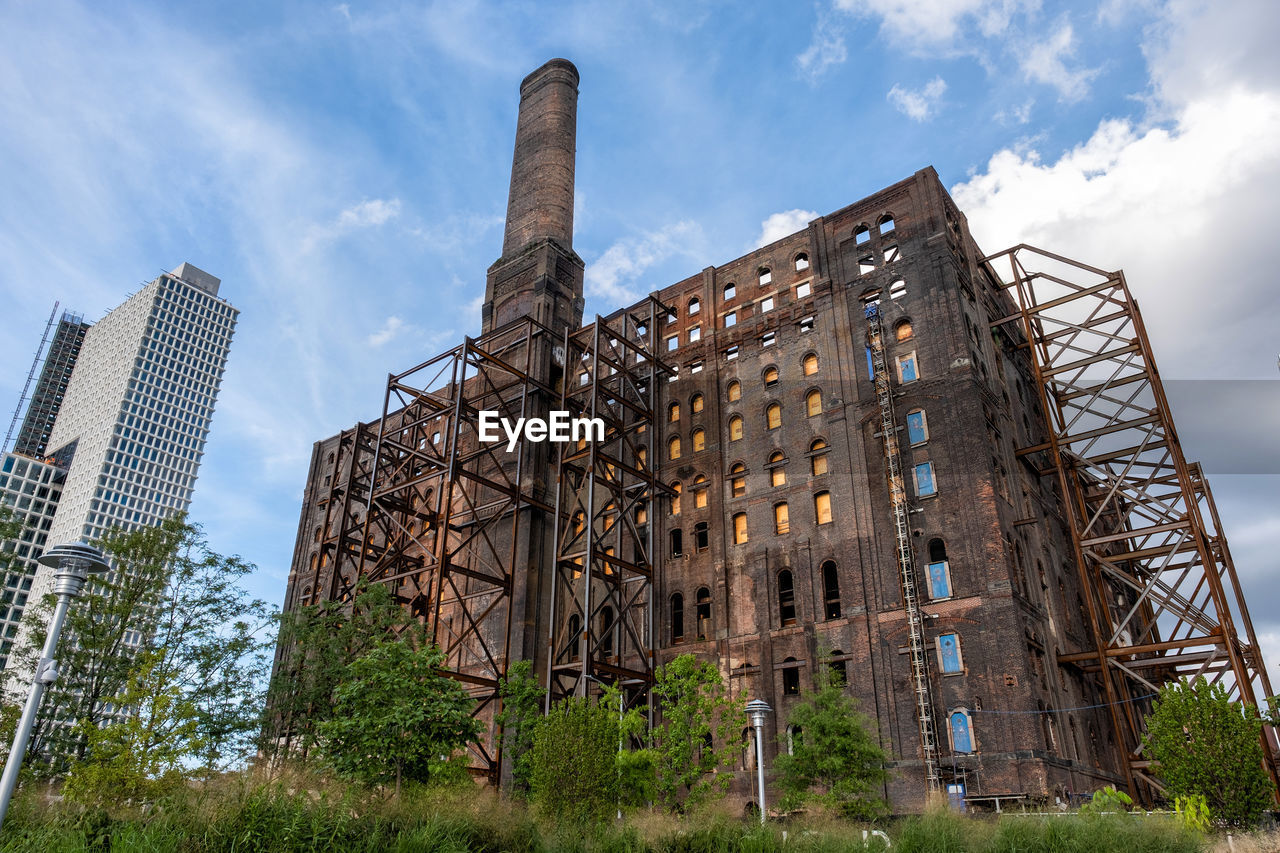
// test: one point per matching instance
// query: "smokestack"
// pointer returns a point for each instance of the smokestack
(540, 203)
(539, 275)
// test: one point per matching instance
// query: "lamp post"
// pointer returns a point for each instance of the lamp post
(72, 565)
(757, 709)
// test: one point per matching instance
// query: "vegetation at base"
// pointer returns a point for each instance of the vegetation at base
(575, 772)
(395, 718)
(521, 710)
(834, 759)
(1205, 744)
(701, 732)
(306, 813)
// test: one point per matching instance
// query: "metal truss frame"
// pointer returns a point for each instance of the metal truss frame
(602, 608)
(1162, 594)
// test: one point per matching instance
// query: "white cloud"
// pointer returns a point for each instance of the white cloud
(1020, 114)
(826, 50)
(1046, 62)
(930, 23)
(779, 225)
(918, 104)
(366, 214)
(614, 274)
(390, 329)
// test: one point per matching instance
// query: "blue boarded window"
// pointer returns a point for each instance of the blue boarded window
(949, 651)
(917, 427)
(961, 739)
(939, 583)
(925, 484)
(907, 368)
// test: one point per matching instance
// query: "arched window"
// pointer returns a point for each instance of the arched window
(699, 487)
(699, 440)
(740, 528)
(765, 276)
(770, 376)
(734, 391)
(704, 613)
(701, 536)
(673, 412)
(575, 636)
(831, 590)
(735, 428)
(695, 305)
(949, 659)
(673, 447)
(917, 427)
(810, 364)
(818, 457)
(897, 290)
(695, 403)
(802, 262)
(777, 469)
(961, 732)
(813, 403)
(939, 570)
(738, 480)
(677, 618)
(822, 507)
(781, 519)
(773, 416)
(606, 630)
(675, 498)
(790, 678)
(786, 598)
(886, 223)
(730, 291)
(861, 235)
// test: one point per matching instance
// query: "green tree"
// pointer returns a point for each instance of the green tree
(396, 718)
(521, 709)
(170, 614)
(574, 762)
(139, 759)
(316, 644)
(10, 529)
(834, 757)
(700, 735)
(1204, 743)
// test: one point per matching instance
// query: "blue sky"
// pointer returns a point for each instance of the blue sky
(343, 168)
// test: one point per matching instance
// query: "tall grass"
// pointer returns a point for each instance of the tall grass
(300, 813)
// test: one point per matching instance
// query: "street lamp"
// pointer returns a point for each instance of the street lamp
(757, 709)
(72, 565)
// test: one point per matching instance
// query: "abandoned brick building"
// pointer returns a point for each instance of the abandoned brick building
(951, 478)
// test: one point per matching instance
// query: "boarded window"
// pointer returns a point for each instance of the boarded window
(735, 428)
(818, 461)
(773, 416)
(738, 480)
(734, 391)
(813, 403)
(740, 528)
(810, 364)
(781, 519)
(822, 507)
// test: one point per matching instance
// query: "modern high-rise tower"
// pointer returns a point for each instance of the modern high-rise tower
(132, 426)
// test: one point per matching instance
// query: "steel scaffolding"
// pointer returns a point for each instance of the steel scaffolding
(1161, 591)
(602, 617)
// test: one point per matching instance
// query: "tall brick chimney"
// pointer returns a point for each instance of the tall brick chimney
(539, 274)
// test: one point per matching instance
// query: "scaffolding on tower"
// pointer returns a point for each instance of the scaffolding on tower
(1161, 591)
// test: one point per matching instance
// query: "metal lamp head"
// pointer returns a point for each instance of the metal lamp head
(72, 565)
(757, 709)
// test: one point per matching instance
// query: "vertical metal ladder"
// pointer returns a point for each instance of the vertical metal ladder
(906, 568)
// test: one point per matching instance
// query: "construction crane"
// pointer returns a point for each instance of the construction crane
(902, 533)
(31, 375)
